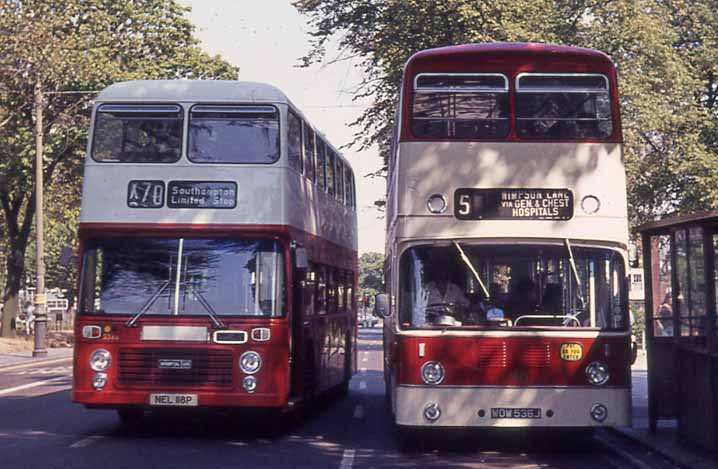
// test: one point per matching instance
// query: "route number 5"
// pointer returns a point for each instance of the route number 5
(464, 204)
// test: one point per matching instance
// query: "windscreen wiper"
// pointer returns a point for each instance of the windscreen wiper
(210, 311)
(148, 304)
(471, 267)
(575, 274)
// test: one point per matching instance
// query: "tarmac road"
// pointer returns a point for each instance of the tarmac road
(41, 428)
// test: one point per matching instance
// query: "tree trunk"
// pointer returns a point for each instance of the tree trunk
(15, 270)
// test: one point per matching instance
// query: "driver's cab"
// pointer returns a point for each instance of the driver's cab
(508, 286)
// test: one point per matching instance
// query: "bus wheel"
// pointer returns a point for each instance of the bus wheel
(130, 416)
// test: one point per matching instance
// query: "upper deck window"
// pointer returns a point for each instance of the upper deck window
(233, 134)
(137, 134)
(563, 106)
(294, 141)
(460, 105)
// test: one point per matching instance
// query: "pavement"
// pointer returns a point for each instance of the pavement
(664, 441)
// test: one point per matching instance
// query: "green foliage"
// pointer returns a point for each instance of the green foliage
(371, 273)
(666, 53)
(77, 46)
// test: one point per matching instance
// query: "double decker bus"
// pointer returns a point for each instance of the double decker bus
(507, 237)
(218, 262)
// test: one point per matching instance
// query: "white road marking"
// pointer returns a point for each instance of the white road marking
(365, 359)
(362, 384)
(362, 369)
(44, 371)
(31, 364)
(86, 441)
(33, 385)
(358, 411)
(347, 459)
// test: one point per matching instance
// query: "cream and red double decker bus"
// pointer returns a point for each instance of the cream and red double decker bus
(218, 251)
(507, 241)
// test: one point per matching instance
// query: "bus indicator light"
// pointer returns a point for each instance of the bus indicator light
(91, 332)
(436, 203)
(590, 204)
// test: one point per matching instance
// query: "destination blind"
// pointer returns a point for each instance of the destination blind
(513, 204)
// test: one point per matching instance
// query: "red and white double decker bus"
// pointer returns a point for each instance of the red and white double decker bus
(218, 251)
(507, 241)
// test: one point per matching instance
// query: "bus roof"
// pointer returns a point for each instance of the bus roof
(512, 55)
(192, 91)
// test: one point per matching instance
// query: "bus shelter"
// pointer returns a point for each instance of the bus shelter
(681, 281)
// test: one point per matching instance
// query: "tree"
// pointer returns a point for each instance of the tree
(665, 52)
(74, 45)
(371, 274)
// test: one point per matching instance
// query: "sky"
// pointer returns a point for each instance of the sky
(265, 39)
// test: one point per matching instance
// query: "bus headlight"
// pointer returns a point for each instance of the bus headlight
(99, 381)
(250, 362)
(597, 373)
(249, 383)
(432, 372)
(100, 360)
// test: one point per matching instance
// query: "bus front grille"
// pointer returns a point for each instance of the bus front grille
(175, 367)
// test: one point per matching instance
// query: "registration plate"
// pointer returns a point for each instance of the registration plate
(515, 413)
(189, 400)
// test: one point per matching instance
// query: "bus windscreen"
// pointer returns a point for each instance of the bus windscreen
(183, 276)
(512, 287)
(233, 134)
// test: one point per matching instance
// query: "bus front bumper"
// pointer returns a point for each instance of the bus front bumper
(141, 398)
(484, 406)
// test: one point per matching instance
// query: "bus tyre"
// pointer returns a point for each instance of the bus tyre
(130, 417)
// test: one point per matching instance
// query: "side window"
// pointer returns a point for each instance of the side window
(321, 164)
(341, 291)
(308, 152)
(460, 106)
(354, 193)
(340, 181)
(321, 304)
(331, 161)
(294, 141)
(331, 291)
(563, 106)
(348, 185)
(310, 284)
(350, 291)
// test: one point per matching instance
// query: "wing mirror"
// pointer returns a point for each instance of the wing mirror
(633, 255)
(381, 305)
